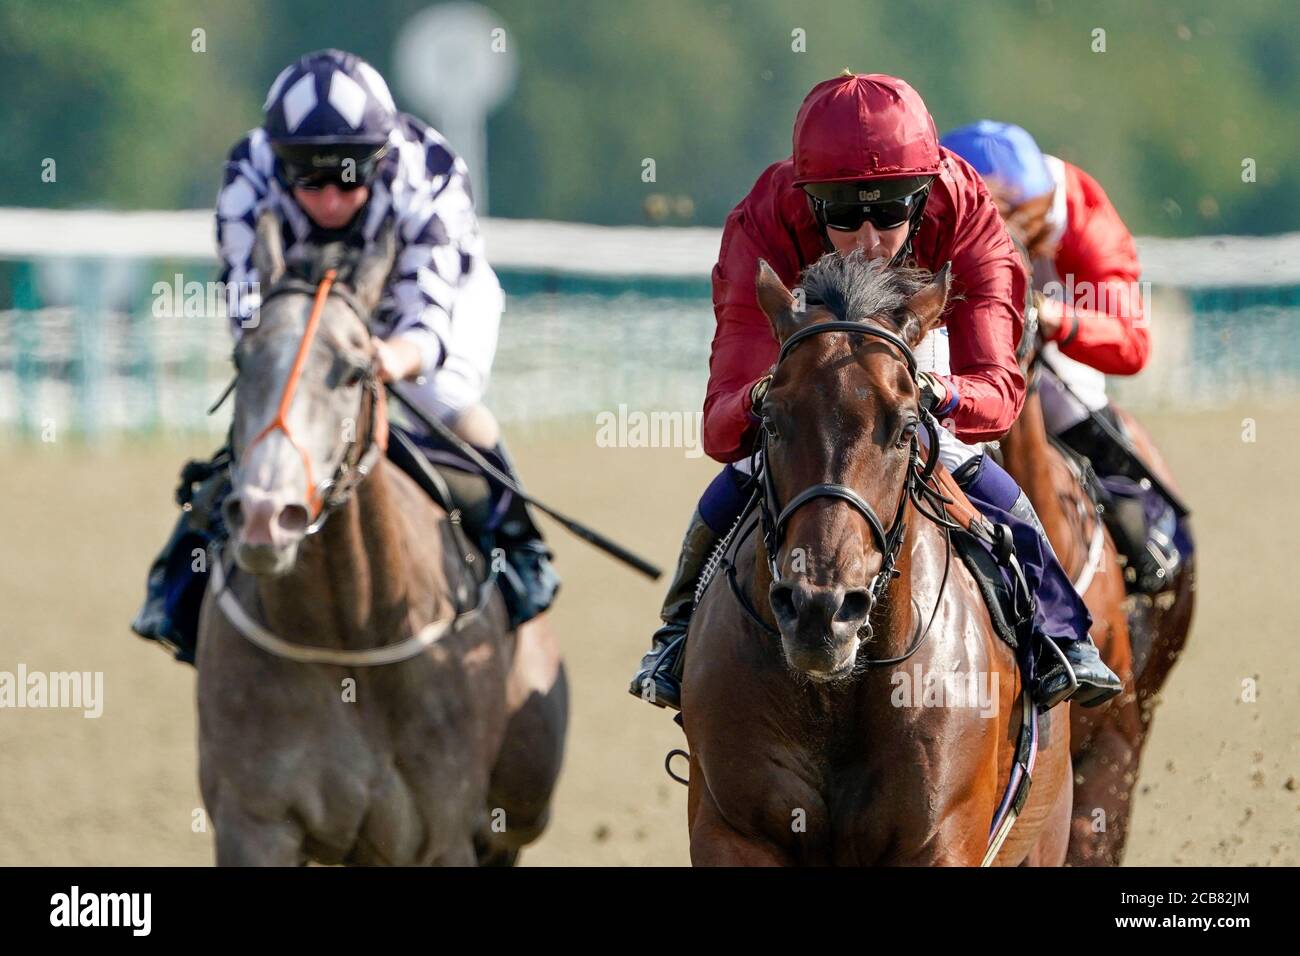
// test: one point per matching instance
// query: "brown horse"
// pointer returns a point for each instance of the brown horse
(361, 696)
(811, 740)
(1139, 637)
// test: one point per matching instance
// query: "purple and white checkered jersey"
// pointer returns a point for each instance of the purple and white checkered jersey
(420, 183)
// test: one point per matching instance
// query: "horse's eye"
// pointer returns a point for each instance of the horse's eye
(908, 432)
(354, 375)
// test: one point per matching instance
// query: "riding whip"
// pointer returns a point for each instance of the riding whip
(592, 537)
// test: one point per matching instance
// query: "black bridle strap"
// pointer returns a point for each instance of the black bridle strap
(854, 328)
(835, 491)
(915, 489)
(888, 541)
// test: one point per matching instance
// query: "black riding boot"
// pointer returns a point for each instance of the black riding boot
(529, 582)
(1090, 682)
(178, 577)
(658, 679)
(1150, 560)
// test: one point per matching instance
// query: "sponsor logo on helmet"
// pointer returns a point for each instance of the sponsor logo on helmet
(868, 195)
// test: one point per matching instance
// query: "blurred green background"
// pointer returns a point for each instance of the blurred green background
(1164, 117)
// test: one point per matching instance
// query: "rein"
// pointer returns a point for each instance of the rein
(414, 645)
(919, 490)
(330, 495)
(333, 492)
(773, 517)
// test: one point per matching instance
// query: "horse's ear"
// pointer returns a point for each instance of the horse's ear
(926, 306)
(371, 272)
(776, 301)
(268, 250)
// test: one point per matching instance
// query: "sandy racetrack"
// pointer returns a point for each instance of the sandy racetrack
(1219, 783)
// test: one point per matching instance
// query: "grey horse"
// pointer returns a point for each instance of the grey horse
(361, 697)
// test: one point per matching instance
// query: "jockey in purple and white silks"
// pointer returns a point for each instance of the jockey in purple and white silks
(336, 163)
(325, 115)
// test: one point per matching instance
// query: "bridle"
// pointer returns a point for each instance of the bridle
(774, 518)
(929, 501)
(332, 493)
(328, 495)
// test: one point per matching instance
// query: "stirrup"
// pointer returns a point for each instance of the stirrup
(661, 685)
(1057, 666)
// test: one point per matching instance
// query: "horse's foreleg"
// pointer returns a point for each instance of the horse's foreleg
(1106, 775)
(528, 766)
(244, 841)
(715, 842)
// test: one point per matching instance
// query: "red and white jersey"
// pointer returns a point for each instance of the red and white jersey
(960, 226)
(1092, 282)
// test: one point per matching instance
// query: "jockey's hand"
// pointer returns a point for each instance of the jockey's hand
(397, 358)
(933, 392)
(758, 391)
(1051, 313)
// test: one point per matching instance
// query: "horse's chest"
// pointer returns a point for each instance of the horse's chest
(396, 771)
(430, 768)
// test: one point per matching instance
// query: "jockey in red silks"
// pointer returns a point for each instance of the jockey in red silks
(867, 172)
(1092, 321)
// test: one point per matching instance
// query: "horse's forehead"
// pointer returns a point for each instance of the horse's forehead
(343, 322)
(845, 350)
(285, 318)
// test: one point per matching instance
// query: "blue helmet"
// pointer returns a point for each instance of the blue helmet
(1004, 153)
(329, 97)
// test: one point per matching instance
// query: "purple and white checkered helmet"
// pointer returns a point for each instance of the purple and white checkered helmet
(329, 97)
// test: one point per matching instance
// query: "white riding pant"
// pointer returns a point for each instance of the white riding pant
(931, 356)
(1060, 408)
(459, 383)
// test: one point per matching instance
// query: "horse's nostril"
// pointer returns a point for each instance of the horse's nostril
(233, 512)
(294, 519)
(855, 606)
(782, 598)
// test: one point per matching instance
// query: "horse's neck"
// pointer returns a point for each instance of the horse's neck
(350, 581)
(1027, 454)
(898, 615)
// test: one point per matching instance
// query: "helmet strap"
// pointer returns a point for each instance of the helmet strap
(913, 223)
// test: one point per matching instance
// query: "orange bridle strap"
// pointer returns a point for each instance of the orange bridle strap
(281, 422)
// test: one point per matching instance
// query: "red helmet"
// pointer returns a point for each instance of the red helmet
(863, 126)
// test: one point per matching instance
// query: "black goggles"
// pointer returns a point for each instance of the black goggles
(346, 168)
(882, 214)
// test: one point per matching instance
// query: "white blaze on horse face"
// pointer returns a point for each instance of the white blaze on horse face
(273, 487)
(280, 479)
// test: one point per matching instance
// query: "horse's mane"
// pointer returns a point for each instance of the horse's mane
(855, 288)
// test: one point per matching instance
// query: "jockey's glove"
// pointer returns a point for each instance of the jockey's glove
(757, 392)
(933, 392)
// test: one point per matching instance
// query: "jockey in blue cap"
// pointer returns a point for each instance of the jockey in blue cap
(1093, 323)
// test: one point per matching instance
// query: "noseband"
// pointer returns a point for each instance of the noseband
(889, 541)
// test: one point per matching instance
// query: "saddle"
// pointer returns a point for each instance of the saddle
(987, 551)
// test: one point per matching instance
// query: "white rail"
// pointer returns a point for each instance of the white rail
(579, 249)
